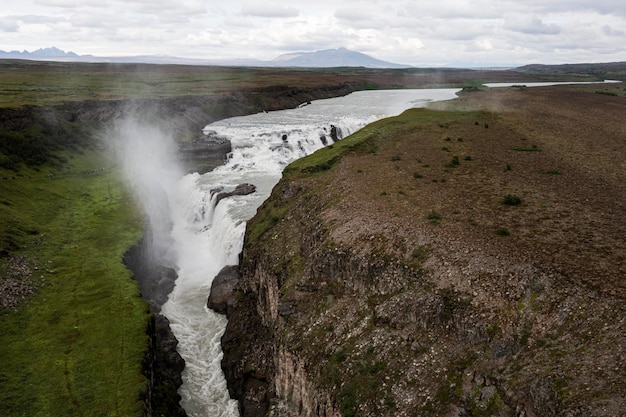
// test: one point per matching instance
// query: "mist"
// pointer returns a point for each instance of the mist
(146, 152)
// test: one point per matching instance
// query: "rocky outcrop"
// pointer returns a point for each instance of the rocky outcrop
(155, 280)
(223, 296)
(162, 364)
(163, 367)
(241, 189)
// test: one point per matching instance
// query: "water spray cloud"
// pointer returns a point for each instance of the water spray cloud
(146, 152)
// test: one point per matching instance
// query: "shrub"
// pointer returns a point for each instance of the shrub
(434, 217)
(533, 148)
(453, 163)
(502, 231)
(417, 175)
(511, 200)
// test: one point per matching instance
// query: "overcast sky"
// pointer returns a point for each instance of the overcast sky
(414, 32)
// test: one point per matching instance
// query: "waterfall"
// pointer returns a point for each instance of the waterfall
(206, 236)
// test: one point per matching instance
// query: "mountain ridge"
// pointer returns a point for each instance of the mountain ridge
(340, 57)
(328, 58)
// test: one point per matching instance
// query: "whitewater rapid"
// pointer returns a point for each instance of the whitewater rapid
(206, 237)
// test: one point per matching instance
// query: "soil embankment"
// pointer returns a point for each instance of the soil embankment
(461, 262)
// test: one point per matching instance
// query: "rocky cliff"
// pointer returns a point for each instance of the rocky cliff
(461, 262)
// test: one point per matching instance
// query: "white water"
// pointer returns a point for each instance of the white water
(207, 238)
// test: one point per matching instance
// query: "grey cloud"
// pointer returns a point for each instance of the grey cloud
(9, 25)
(352, 15)
(534, 26)
(71, 4)
(605, 7)
(452, 9)
(36, 19)
(165, 7)
(268, 10)
(609, 31)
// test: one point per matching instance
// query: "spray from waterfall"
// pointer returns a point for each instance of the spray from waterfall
(146, 153)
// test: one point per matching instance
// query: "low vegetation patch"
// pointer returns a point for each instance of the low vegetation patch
(532, 148)
(511, 200)
(502, 231)
(552, 172)
(434, 217)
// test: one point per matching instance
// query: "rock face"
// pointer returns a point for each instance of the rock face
(367, 290)
(163, 364)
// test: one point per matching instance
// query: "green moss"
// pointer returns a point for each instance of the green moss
(269, 214)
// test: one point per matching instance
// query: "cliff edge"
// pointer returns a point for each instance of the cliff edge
(460, 261)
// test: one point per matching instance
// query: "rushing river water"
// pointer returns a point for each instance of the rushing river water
(206, 236)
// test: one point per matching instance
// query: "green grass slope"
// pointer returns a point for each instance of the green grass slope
(75, 346)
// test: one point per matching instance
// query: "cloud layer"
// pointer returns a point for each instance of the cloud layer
(424, 33)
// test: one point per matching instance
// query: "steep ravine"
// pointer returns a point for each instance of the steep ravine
(187, 116)
(76, 125)
(390, 281)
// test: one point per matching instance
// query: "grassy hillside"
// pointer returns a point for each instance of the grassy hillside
(75, 345)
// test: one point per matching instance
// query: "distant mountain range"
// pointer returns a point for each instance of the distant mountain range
(341, 57)
(42, 53)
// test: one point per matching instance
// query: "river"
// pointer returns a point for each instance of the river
(205, 237)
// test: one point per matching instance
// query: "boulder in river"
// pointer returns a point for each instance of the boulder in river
(222, 297)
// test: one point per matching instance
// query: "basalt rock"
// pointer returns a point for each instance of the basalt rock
(223, 296)
(241, 189)
(162, 364)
